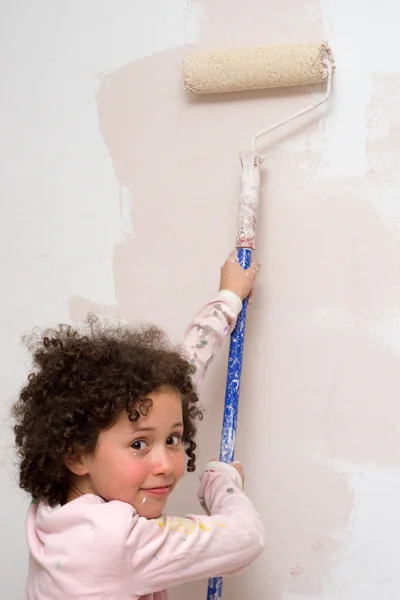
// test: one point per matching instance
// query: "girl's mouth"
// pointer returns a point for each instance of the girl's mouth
(158, 491)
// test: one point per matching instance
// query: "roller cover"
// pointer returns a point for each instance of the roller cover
(255, 68)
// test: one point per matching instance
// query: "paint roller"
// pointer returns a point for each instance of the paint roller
(241, 70)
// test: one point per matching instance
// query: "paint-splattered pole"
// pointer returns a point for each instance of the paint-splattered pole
(245, 244)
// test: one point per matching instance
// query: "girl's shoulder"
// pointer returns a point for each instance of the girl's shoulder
(83, 537)
(88, 509)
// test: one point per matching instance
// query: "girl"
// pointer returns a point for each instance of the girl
(102, 426)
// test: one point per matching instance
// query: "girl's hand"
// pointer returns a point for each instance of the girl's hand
(236, 279)
(239, 468)
(236, 465)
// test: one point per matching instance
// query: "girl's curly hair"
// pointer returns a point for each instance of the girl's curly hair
(81, 382)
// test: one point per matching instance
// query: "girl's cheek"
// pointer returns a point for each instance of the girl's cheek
(139, 467)
(179, 464)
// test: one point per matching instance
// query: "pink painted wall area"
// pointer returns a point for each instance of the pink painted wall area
(319, 417)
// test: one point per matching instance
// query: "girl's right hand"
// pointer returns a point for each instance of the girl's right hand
(236, 465)
(236, 279)
(239, 468)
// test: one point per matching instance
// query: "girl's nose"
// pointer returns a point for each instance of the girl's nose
(161, 461)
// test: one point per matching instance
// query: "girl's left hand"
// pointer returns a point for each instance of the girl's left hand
(236, 279)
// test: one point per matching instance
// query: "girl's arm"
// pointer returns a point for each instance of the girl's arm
(206, 333)
(217, 319)
(161, 553)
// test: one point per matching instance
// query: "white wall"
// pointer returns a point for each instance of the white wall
(119, 196)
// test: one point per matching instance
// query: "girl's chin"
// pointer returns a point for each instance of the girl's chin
(150, 512)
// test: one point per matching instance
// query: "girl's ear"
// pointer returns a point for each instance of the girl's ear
(76, 462)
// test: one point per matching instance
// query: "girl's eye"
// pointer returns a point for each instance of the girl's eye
(174, 440)
(139, 445)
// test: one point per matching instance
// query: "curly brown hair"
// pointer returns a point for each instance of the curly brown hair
(82, 380)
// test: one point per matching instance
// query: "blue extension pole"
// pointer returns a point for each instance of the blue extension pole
(245, 243)
(227, 450)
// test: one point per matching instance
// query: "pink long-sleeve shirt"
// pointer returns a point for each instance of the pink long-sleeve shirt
(90, 549)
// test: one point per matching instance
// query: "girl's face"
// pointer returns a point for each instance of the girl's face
(139, 463)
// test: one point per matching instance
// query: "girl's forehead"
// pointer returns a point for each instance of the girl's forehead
(166, 410)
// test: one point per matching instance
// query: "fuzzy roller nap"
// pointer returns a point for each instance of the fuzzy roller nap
(234, 71)
(255, 68)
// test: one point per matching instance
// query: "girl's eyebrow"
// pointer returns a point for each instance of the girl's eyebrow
(177, 424)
